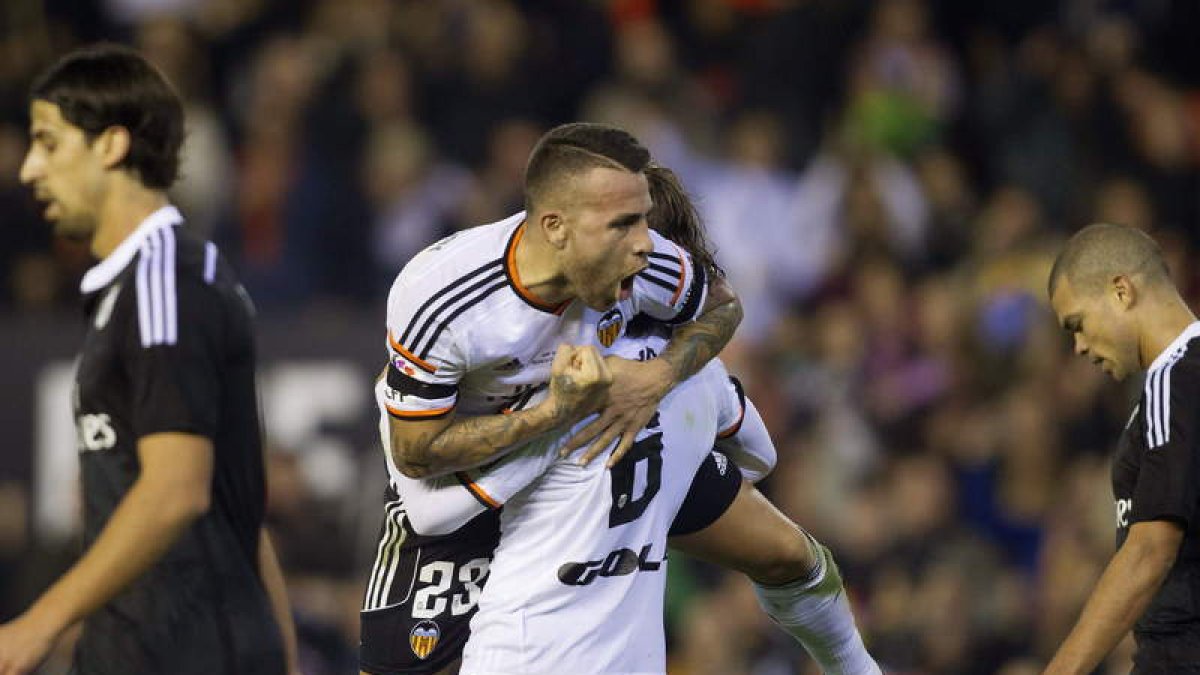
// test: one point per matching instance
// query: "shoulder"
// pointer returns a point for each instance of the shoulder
(458, 261)
(175, 278)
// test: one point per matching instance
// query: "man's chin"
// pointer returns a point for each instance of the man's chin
(600, 303)
(73, 229)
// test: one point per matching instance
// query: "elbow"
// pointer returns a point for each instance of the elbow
(189, 506)
(1155, 546)
(411, 469)
(408, 466)
(721, 294)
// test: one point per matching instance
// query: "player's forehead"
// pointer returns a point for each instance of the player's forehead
(1067, 304)
(44, 114)
(610, 188)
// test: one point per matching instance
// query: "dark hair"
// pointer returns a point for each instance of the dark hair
(108, 85)
(1101, 251)
(573, 148)
(675, 217)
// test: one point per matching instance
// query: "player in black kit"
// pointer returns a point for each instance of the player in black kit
(1111, 290)
(177, 576)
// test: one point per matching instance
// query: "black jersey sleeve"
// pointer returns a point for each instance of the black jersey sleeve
(173, 355)
(1170, 473)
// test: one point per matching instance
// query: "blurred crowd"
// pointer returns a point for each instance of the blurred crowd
(886, 183)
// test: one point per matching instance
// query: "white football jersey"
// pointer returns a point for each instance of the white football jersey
(577, 582)
(464, 334)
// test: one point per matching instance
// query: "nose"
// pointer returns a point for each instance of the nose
(643, 245)
(1081, 347)
(31, 168)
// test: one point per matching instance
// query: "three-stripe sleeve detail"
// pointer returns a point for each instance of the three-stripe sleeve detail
(157, 299)
(1158, 403)
(665, 271)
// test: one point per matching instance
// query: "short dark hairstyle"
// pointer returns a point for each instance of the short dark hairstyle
(573, 148)
(107, 85)
(674, 216)
(1099, 252)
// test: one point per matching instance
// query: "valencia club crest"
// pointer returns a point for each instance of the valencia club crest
(609, 327)
(424, 638)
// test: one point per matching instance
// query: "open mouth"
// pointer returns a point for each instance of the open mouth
(627, 287)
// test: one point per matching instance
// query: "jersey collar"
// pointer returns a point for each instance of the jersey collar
(1179, 343)
(106, 270)
(514, 279)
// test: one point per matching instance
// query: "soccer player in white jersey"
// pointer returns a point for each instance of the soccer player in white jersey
(578, 579)
(585, 228)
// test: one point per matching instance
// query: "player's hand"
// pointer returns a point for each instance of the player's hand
(23, 645)
(579, 381)
(633, 397)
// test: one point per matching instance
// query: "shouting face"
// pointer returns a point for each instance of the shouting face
(605, 239)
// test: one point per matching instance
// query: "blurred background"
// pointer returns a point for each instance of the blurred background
(886, 183)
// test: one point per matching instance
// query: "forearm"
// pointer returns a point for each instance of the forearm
(700, 341)
(469, 442)
(272, 578)
(1121, 596)
(141, 529)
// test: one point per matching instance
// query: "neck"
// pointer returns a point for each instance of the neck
(125, 206)
(537, 266)
(1166, 322)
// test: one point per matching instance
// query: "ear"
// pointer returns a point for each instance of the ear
(1122, 291)
(553, 228)
(113, 145)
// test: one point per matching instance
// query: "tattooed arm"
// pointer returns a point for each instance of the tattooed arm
(579, 381)
(699, 342)
(638, 387)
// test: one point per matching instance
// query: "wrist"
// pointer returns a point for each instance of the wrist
(550, 413)
(666, 374)
(47, 618)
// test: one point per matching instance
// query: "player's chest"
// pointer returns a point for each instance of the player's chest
(1127, 463)
(101, 378)
(510, 358)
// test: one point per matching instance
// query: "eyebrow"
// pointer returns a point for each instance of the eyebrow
(625, 220)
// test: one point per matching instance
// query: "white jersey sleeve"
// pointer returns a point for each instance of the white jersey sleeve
(425, 357)
(750, 446)
(742, 435)
(672, 288)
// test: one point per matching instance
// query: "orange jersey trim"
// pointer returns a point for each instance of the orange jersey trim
(510, 263)
(417, 361)
(417, 414)
(733, 428)
(682, 274)
(479, 492)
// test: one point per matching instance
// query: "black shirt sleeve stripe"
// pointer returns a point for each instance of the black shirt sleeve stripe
(433, 317)
(466, 278)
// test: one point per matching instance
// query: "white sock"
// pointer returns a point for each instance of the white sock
(816, 612)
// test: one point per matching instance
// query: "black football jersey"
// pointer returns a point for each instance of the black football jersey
(1156, 476)
(169, 347)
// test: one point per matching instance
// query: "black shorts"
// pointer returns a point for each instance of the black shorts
(422, 594)
(713, 489)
